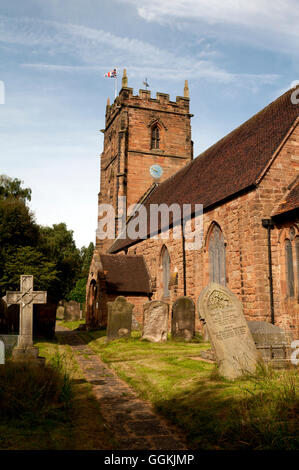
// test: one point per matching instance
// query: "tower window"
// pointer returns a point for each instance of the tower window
(155, 142)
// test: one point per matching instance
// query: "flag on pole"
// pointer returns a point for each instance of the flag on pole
(111, 74)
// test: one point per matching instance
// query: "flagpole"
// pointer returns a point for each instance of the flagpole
(116, 85)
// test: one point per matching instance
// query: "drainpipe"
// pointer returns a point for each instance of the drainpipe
(268, 224)
(184, 256)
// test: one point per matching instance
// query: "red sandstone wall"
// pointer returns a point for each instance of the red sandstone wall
(246, 247)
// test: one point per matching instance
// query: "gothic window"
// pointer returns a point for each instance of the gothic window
(165, 271)
(217, 256)
(289, 268)
(155, 138)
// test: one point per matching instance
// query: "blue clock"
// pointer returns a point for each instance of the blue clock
(156, 171)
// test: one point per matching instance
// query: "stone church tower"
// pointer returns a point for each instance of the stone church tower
(140, 132)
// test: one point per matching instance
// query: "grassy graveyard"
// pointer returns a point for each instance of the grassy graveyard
(258, 412)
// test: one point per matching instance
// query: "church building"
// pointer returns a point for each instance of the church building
(247, 184)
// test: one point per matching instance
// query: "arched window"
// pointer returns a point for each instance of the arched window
(165, 271)
(289, 268)
(217, 256)
(155, 139)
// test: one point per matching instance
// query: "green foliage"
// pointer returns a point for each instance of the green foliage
(58, 246)
(26, 259)
(78, 293)
(86, 256)
(11, 187)
(47, 253)
(17, 225)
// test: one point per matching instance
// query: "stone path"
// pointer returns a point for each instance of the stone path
(133, 421)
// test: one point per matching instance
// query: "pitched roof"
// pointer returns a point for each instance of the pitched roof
(233, 164)
(126, 273)
(290, 202)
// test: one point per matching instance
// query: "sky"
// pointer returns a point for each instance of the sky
(237, 55)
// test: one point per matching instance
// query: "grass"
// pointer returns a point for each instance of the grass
(257, 412)
(50, 408)
(71, 325)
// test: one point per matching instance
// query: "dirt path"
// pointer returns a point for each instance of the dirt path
(132, 420)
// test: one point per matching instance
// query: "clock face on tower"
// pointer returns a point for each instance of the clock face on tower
(156, 171)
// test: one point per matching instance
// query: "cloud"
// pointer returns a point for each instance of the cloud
(253, 19)
(77, 48)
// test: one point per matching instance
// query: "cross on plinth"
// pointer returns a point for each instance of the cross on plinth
(26, 298)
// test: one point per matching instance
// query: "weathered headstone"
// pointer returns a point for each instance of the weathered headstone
(71, 311)
(2, 353)
(10, 342)
(183, 319)
(119, 319)
(155, 321)
(272, 342)
(228, 331)
(44, 320)
(26, 298)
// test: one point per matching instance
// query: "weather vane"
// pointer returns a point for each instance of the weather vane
(145, 83)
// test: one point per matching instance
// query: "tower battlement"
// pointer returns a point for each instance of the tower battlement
(143, 100)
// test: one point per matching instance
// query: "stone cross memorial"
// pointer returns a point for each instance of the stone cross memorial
(119, 319)
(228, 331)
(183, 319)
(155, 321)
(26, 298)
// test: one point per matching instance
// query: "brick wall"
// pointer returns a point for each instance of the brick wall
(246, 249)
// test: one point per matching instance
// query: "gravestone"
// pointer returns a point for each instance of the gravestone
(72, 311)
(10, 342)
(228, 331)
(155, 321)
(2, 353)
(26, 298)
(3, 317)
(272, 342)
(183, 319)
(119, 319)
(44, 320)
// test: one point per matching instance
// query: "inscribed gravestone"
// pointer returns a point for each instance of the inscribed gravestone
(119, 319)
(155, 321)
(26, 298)
(183, 319)
(228, 331)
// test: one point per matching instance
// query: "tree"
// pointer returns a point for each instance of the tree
(17, 224)
(58, 246)
(78, 293)
(24, 260)
(11, 187)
